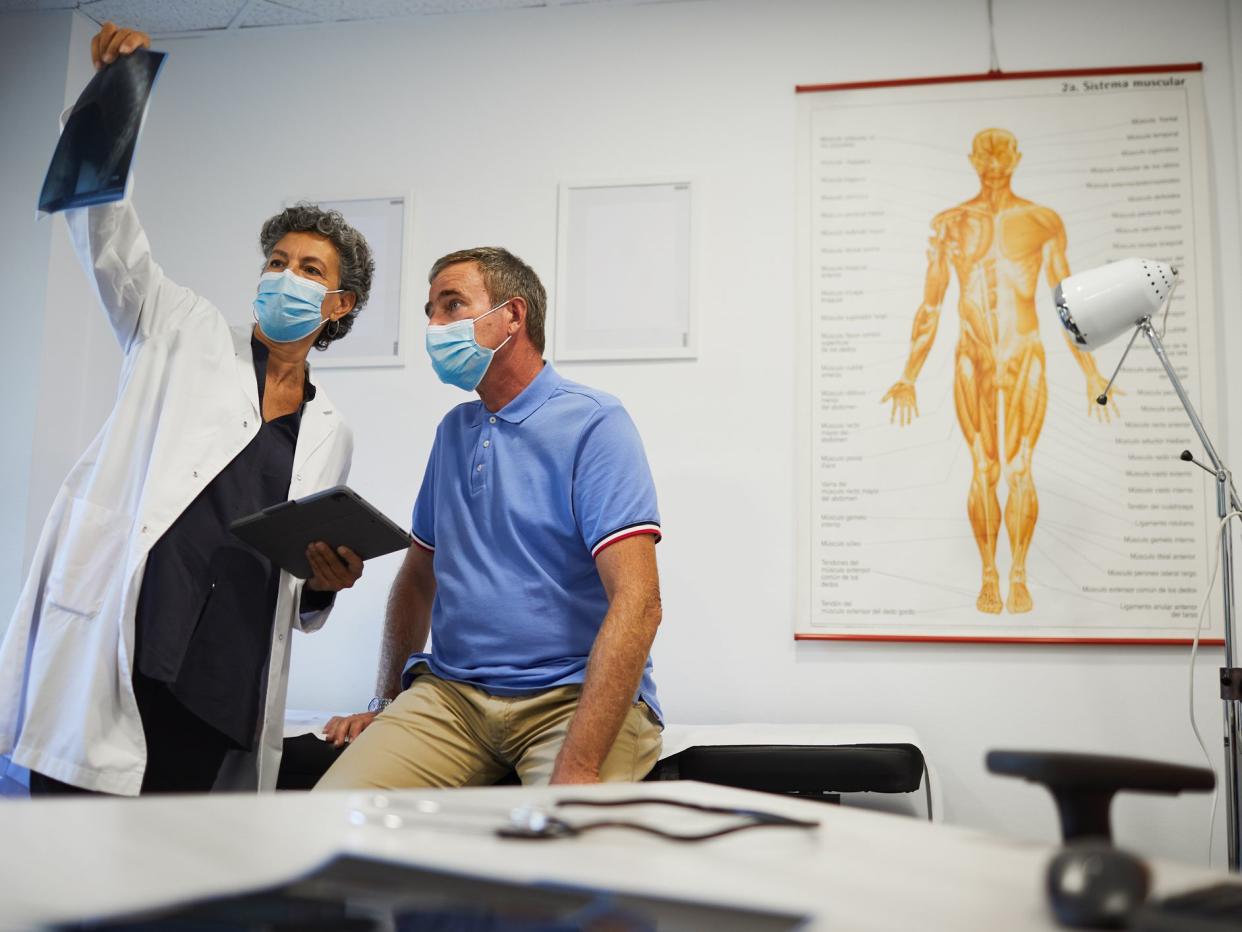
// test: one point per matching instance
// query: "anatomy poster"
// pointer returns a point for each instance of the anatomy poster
(958, 479)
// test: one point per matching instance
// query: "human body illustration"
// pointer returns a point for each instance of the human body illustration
(997, 243)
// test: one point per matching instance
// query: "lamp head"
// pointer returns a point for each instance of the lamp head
(1101, 304)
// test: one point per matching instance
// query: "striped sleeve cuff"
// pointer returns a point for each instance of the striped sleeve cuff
(430, 548)
(630, 530)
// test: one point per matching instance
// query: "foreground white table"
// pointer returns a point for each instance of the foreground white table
(71, 858)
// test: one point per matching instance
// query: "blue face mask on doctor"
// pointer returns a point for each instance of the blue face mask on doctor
(288, 307)
(456, 355)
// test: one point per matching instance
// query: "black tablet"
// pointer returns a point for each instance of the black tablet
(338, 516)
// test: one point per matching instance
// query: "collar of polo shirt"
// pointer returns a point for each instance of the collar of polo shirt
(528, 401)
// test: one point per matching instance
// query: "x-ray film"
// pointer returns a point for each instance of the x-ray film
(96, 148)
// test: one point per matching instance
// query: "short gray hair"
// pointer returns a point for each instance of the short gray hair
(353, 253)
(505, 276)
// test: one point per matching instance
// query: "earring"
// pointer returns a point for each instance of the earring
(333, 329)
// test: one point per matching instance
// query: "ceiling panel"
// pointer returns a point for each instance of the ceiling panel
(263, 13)
(346, 10)
(181, 17)
(18, 6)
(160, 17)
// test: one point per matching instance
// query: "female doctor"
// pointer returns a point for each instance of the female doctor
(149, 649)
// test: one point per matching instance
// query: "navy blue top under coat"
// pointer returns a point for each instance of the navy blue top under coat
(204, 615)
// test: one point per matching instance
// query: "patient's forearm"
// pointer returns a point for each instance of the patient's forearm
(407, 621)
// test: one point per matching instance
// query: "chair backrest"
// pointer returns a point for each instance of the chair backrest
(1083, 785)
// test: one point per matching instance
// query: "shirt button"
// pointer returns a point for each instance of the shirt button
(491, 420)
(245, 423)
(144, 529)
(196, 474)
(479, 468)
(486, 443)
(299, 477)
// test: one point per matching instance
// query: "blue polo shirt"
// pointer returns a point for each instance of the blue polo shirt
(516, 505)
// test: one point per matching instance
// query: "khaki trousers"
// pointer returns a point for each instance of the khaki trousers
(440, 733)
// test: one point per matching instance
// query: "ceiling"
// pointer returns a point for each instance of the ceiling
(204, 17)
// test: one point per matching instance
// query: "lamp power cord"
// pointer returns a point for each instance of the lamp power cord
(1194, 650)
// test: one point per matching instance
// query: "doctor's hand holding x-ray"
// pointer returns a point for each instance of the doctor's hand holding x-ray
(149, 650)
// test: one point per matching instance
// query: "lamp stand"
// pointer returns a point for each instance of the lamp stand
(1230, 676)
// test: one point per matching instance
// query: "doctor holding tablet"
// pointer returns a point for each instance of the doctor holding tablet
(149, 649)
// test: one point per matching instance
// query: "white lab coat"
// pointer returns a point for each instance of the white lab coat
(187, 405)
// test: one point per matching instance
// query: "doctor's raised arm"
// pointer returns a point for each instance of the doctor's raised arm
(111, 245)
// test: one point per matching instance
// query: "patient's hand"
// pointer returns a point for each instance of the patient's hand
(564, 773)
(342, 729)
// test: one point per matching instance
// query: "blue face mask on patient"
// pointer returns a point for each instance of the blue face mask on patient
(288, 307)
(456, 355)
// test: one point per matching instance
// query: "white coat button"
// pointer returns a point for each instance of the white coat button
(491, 420)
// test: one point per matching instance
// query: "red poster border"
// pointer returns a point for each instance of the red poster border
(998, 639)
(997, 76)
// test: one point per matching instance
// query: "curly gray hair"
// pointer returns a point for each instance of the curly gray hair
(357, 266)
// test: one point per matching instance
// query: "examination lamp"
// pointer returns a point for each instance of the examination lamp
(1096, 307)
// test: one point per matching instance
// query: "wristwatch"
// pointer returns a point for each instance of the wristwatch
(378, 704)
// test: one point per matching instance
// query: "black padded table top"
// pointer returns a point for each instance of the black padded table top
(800, 770)
(815, 770)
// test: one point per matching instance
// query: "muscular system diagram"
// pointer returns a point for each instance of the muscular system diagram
(997, 244)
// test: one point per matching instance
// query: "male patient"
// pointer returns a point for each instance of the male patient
(534, 568)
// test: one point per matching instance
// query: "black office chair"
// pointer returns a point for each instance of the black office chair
(1083, 785)
(1089, 883)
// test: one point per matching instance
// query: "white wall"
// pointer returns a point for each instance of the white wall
(480, 116)
(79, 358)
(34, 49)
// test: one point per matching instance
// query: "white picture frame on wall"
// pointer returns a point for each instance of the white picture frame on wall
(625, 270)
(378, 337)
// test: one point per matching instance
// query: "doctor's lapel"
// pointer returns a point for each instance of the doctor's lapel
(319, 420)
(243, 371)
